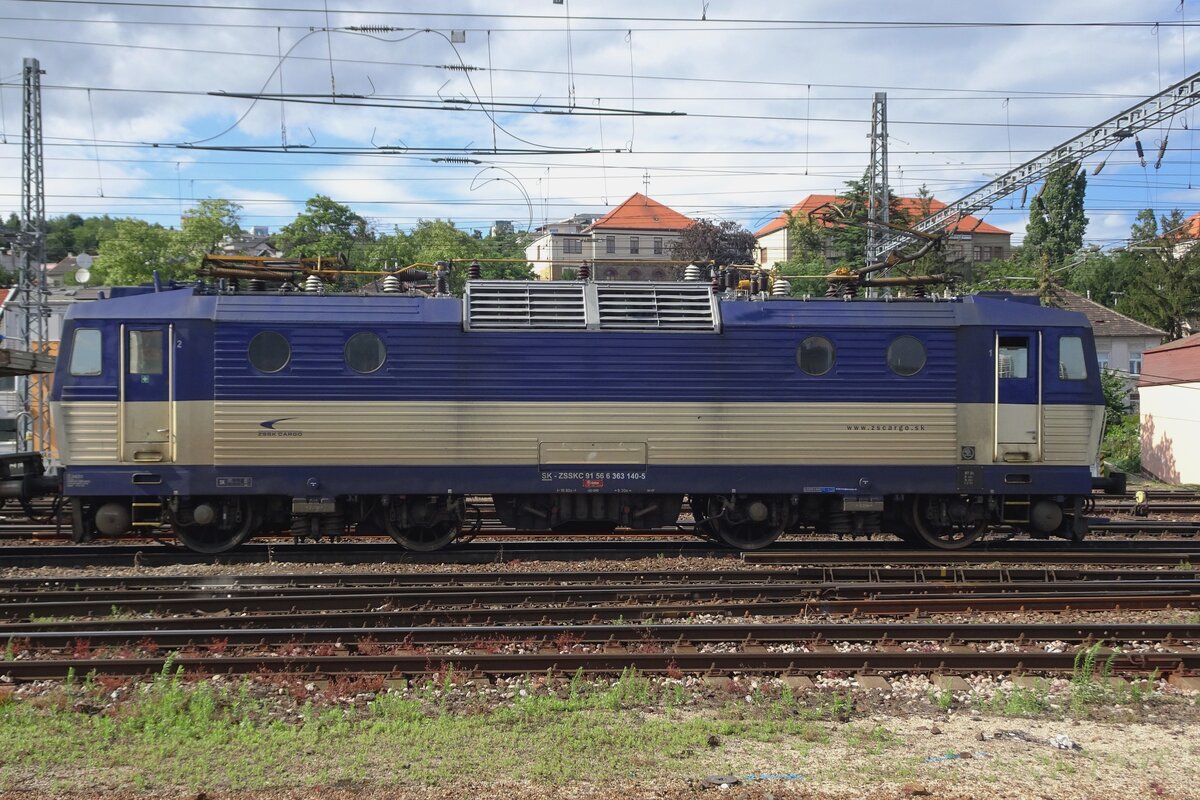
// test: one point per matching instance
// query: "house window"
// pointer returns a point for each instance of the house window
(633, 245)
(762, 256)
(572, 245)
(1135, 363)
(977, 253)
(1102, 360)
(658, 246)
(610, 244)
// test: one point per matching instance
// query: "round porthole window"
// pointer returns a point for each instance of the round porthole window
(815, 355)
(269, 351)
(365, 352)
(906, 355)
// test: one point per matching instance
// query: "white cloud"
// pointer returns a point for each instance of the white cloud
(745, 165)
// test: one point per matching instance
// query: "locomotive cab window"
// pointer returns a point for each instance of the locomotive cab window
(86, 356)
(1072, 366)
(269, 351)
(906, 355)
(145, 353)
(815, 355)
(1013, 357)
(365, 352)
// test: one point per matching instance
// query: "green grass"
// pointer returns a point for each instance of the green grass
(204, 736)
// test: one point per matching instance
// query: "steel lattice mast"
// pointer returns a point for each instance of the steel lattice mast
(1125, 125)
(878, 209)
(33, 419)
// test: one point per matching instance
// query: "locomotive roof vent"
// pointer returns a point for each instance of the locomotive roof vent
(680, 306)
(609, 305)
(509, 305)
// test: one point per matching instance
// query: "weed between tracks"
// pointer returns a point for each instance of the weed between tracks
(274, 730)
(172, 732)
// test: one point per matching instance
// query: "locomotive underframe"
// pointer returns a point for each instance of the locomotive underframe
(213, 524)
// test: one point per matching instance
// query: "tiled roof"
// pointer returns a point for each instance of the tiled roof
(1172, 363)
(1191, 227)
(640, 213)
(1105, 321)
(910, 205)
(68, 264)
(1178, 344)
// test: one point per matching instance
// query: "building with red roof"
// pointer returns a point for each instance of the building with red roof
(1169, 386)
(971, 240)
(631, 242)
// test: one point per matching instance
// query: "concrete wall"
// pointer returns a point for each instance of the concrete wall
(1170, 430)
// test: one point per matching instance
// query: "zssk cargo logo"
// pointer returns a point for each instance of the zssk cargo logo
(269, 428)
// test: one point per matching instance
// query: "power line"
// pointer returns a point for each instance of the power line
(708, 21)
(559, 73)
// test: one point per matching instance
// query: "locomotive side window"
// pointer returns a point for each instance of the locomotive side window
(815, 355)
(1014, 357)
(145, 352)
(86, 357)
(1072, 366)
(365, 352)
(269, 351)
(906, 355)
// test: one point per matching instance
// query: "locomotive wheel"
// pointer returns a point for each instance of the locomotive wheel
(422, 538)
(238, 524)
(943, 535)
(745, 524)
(422, 525)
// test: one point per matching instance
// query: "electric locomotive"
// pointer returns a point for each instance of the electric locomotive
(580, 406)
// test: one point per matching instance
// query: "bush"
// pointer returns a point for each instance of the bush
(1122, 445)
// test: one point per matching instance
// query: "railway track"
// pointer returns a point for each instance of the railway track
(1155, 551)
(323, 625)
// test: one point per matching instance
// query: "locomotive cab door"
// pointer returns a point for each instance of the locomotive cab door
(147, 393)
(1018, 397)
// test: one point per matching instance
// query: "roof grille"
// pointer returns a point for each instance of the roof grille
(525, 305)
(682, 306)
(609, 305)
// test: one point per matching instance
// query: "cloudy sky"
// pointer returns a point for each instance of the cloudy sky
(528, 110)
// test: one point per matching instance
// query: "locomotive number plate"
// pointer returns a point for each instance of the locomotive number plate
(235, 483)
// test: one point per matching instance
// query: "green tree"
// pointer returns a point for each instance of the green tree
(1164, 289)
(326, 229)
(1103, 277)
(134, 251)
(1116, 397)
(1056, 226)
(850, 241)
(706, 240)
(204, 228)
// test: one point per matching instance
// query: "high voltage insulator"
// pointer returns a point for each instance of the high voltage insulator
(1141, 153)
(1162, 149)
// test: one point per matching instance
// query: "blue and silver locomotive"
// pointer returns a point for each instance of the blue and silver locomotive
(574, 406)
